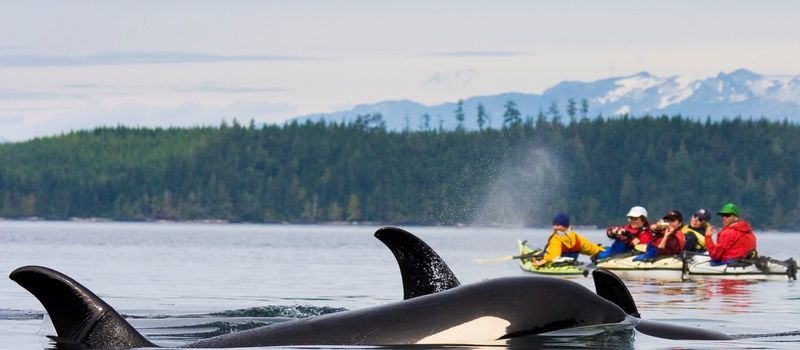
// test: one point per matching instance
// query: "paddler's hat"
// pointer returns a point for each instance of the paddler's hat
(561, 219)
(673, 215)
(637, 211)
(729, 209)
(702, 215)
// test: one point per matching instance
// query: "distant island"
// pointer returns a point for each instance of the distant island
(519, 173)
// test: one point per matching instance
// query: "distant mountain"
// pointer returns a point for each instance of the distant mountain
(739, 93)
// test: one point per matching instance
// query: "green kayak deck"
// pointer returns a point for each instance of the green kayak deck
(561, 266)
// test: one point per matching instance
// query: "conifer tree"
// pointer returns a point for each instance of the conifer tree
(459, 113)
(511, 116)
(482, 116)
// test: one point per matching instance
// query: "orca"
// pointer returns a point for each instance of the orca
(436, 309)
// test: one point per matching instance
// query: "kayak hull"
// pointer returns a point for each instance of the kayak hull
(559, 267)
(679, 268)
(666, 268)
(700, 267)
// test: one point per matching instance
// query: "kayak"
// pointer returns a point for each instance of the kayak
(698, 266)
(666, 268)
(761, 268)
(564, 266)
(681, 267)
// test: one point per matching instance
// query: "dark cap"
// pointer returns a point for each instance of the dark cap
(561, 219)
(673, 215)
(702, 215)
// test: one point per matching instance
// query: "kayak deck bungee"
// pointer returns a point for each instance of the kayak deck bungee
(561, 266)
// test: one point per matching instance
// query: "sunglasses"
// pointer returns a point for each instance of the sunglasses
(725, 215)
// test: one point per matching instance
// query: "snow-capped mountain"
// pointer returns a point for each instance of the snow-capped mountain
(740, 93)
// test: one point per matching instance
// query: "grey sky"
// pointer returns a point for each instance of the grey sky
(68, 65)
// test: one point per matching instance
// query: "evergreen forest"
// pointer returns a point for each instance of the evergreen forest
(311, 172)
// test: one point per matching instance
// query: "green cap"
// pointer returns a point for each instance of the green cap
(729, 208)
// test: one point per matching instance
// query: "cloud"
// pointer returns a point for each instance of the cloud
(11, 118)
(122, 58)
(14, 48)
(455, 78)
(15, 95)
(214, 88)
(480, 53)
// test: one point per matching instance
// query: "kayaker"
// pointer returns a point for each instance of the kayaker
(735, 241)
(695, 231)
(668, 238)
(626, 238)
(565, 242)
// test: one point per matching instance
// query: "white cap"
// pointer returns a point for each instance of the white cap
(637, 212)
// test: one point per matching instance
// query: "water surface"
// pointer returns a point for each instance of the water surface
(180, 282)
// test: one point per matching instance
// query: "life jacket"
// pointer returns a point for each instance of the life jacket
(576, 248)
(681, 238)
(699, 238)
(643, 234)
(674, 244)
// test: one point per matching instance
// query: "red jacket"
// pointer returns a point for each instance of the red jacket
(674, 245)
(733, 242)
(643, 234)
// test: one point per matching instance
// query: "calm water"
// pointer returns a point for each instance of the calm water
(180, 282)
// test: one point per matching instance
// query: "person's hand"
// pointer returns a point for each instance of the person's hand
(635, 241)
(709, 230)
(538, 262)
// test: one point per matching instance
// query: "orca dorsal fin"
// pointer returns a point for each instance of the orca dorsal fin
(78, 315)
(422, 270)
(611, 288)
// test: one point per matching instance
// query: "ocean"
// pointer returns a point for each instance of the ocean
(179, 282)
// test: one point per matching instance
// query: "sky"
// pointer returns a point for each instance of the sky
(70, 65)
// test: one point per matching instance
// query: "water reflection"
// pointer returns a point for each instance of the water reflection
(725, 296)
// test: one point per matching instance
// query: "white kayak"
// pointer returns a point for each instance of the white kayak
(761, 268)
(666, 268)
(697, 266)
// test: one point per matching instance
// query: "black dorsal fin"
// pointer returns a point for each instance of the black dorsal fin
(611, 288)
(423, 271)
(78, 315)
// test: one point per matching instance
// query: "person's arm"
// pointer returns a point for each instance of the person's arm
(552, 251)
(711, 247)
(667, 233)
(663, 243)
(726, 241)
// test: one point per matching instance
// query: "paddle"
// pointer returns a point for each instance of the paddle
(508, 258)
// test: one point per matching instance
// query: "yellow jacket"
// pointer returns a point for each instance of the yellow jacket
(700, 238)
(569, 242)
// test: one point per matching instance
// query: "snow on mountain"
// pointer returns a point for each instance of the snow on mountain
(739, 93)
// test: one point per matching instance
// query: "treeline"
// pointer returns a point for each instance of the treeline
(595, 169)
